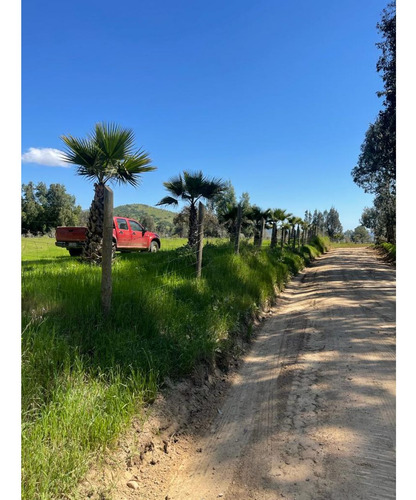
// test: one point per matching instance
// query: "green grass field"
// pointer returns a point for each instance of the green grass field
(85, 376)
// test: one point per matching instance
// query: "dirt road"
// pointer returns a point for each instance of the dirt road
(311, 414)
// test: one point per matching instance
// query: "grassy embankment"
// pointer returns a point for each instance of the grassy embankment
(84, 377)
(388, 250)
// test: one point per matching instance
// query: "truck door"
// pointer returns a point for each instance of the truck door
(123, 233)
(137, 238)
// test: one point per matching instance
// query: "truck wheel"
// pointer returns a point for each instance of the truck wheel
(75, 252)
(154, 246)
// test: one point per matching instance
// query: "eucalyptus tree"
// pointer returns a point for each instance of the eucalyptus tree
(191, 187)
(105, 155)
(375, 171)
(318, 222)
(333, 224)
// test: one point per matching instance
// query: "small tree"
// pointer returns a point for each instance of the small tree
(333, 224)
(191, 188)
(361, 235)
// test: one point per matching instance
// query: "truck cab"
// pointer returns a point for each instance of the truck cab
(129, 234)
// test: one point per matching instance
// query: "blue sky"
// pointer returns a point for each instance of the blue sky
(274, 96)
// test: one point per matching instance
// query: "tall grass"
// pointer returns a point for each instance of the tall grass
(84, 377)
(389, 252)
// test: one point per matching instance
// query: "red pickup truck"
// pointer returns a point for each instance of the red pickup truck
(128, 235)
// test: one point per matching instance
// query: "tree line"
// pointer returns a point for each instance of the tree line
(375, 171)
(44, 208)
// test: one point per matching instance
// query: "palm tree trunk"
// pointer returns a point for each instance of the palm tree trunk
(193, 226)
(233, 231)
(92, 251)
(256, 234)
(261, 233)
(273, 241)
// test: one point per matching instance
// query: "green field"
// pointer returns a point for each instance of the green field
(85, 376)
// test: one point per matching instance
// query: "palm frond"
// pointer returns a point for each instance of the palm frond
(212, 188)
(167, 200)
(175, 185)
(84, 154)
(114, 142)
(129, 170)
(79, 151)
(107, 154)
(193, 182)
(197, 185)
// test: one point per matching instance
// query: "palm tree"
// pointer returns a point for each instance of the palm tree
(299, 224)
(285, 228)
(107, 154)
(228, 216)
(191, 187)
(305, 229)
(277, 215)
(256, 215)
(293, 221)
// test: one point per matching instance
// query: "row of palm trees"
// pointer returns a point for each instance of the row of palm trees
(108, 154)
(192, 187)
(291, 227)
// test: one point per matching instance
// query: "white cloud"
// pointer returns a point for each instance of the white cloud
(45, 156)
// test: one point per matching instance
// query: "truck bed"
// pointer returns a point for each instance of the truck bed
(70, 234)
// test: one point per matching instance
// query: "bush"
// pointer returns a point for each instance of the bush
(322, 243)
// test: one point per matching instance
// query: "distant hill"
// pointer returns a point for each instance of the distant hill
(137, 210)
(162, 218)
